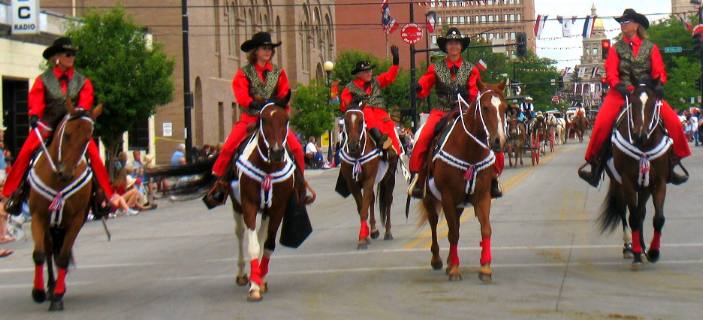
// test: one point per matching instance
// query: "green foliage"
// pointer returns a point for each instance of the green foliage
(346, 61)
(129, 80)
(682, 82)
(313, 114)
(672, 33)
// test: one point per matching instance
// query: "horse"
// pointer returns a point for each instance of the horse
(362, 166)
(561, 131)
(517, 135)
(579, 125)
(538, 135)
(552, 125)
(59, 200)
(461, 171)
(638, 169)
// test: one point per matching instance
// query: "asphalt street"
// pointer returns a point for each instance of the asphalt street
(550, 261)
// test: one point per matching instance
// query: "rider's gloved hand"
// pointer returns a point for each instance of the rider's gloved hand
(34, 121)
(417, 87)
(622, 88)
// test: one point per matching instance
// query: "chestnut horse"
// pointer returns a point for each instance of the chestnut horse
(362, 168)
(517, 135)
(638, 169)
(265, 185)
(579, 124)
(59, 200)
(461, 172)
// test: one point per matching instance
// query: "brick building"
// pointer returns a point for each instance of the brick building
(217, 28)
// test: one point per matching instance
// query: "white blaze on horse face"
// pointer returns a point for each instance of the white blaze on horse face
(495, 101)
(644, 97)
(353, 118)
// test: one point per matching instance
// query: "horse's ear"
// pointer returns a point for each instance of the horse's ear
(96, 112)
(481, 86)
(69, 105)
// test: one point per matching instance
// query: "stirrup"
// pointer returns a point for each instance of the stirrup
(675, 178)
(217, 195)
(496, 190)
(415, 190)
(591, 177)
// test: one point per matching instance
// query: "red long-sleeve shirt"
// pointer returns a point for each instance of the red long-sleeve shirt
(427, 81)
(384, 79)
(37, 102)
(240, 84)
(612, 64)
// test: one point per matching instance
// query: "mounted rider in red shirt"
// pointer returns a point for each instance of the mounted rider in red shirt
(630, 61)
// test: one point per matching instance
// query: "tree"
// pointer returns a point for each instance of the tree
(130, 79)
(313, 115)
(681, 85)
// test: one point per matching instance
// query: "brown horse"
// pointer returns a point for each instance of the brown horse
(461, 172)
(639, 168)
(517, 135)
(265, 185)
(579, 124)
(59, 200)
(362, 168)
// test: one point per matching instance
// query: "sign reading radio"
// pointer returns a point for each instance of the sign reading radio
(411, 33)
(25, 16)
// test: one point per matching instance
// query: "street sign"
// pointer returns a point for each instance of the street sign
(411, 33)
(25, 17)
(673, 49)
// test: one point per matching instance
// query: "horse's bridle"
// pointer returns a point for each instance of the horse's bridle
(62, 130)
(656, 117)
(362, 135)
(267, 159)
(478, 112)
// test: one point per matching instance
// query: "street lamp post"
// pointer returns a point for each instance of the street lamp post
(328, 66)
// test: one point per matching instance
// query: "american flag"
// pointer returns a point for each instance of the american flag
(389, 23)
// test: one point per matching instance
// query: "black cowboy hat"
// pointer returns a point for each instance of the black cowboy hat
(632, 15)
(362, 66)
(257, 40)
(60, 45)
(453, 34)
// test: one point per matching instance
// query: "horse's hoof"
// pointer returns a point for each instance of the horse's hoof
(39, 296)
(436, 264)
(627, 251)
(485, 274)
(254, 296)
(56, 306)
(375, 234)
(264, 288)
(637, 262)
(454, 273)
(242, 280)
(362, 246)
(653, 255)
(388, 236)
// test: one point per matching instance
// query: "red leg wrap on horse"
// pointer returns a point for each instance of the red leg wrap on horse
(453, 255)
(264, 266)
(256, 272)
(636, 246)
(485, 251)
(656, 241)
(61, 282)
(364, 230)
(39, 277)
(500, 163)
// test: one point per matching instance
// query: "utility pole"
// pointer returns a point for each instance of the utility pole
(187, 94)
(413, 98)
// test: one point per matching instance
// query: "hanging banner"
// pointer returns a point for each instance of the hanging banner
(25, 17)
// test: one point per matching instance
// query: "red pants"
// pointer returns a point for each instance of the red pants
(19, 168)
(239, 133)
(379, 119)
(422, 144)
(609, 112)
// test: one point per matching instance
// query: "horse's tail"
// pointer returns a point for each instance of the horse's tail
(613, 209)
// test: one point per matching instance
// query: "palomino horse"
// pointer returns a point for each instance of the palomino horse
(579, 124)
(59, 200)
(517, 135)
(638, 169)
(362, 167)
(461, 172)
(266, 185)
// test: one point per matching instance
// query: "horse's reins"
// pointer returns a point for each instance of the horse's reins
(357, 162)
(480, 115)
(263, 135)
(62, 129)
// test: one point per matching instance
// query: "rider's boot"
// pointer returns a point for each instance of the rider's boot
(594, 175)
(219, 192)
(496, 191)
(13, 204)
(417, 185)
(675, 178)
(383, 142)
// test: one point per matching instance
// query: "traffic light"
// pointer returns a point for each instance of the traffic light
(521, 38)
(605, 48)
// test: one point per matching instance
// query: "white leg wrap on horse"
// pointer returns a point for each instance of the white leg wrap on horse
(627, 235)
(253, 244)
(254, 287)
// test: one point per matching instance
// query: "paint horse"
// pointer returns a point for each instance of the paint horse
(59, 200)
(363, 167)
(638, 169)
(461, 171)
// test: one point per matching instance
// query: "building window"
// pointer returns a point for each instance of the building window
(518, 17)
(461, 20)
(139, 135)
